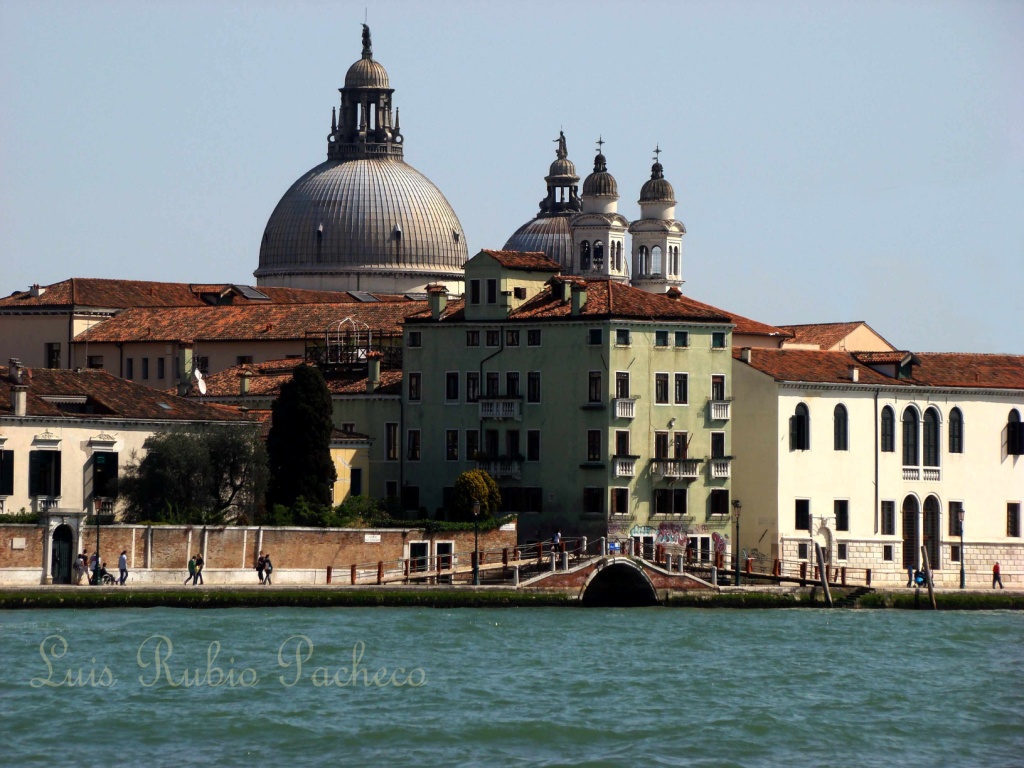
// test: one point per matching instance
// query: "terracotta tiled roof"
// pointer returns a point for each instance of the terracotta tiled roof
(933, 370)
(895, 357)
(265, 381)
(118, 294)
(105, 397)
(248, 322)
(536, 262)
(608, 298)
(825, 335)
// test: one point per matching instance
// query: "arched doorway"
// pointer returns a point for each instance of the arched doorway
(931, 532)
(619, 585)
(62, 554)
(910, 540)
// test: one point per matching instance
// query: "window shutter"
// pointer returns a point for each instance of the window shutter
(793, 433)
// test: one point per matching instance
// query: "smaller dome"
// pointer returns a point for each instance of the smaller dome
(563, 168)
(657, 189)
(600, 183)
(366, 73)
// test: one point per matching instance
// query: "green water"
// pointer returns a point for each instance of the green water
(473, 687)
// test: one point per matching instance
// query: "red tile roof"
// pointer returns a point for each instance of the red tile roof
(248, 322)
(825, 335)
(895, 357)
(106, 397)
(954, 369)
(265, 381)
(530, 261)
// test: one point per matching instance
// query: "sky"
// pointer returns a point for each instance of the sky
(832, 161)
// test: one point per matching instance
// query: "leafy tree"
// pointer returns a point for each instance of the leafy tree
(208, 476)
(299, 443)
(475, 485)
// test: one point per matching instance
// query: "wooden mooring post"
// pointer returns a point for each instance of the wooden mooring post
(824, 573)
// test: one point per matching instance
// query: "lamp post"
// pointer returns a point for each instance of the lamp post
(476, 543)
(963, 573)
(736, 507)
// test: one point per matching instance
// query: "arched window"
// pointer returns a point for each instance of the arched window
(841, 425)
(618, 257)
(910, 453)
(644, 266)
(584, 255)
(1014, 434)
(800, 429)
(930, 524)
(675, 260)
(888, 430)
(931, 438)
(956, 431)
(598, 254)
(656, 260)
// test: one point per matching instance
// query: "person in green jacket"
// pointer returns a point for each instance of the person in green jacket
(191, 570)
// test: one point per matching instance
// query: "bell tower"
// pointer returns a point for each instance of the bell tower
(657, 235)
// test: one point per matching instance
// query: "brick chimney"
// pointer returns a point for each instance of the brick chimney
(373, 358)
(243, 382)
(184, 368)
(19, 389)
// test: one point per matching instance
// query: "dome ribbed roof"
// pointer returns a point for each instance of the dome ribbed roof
(366, 73)
(600, 183)
(547, 234)
(363, 215)
(657, 189)
(563, 168)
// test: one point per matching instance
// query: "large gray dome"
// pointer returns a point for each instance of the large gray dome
(545, 234)
(363, 215)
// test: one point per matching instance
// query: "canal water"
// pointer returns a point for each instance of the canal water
(537, 687)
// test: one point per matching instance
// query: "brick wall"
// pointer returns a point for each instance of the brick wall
(29, 557)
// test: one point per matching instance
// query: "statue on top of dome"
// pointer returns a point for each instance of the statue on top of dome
(367, 49)
(561, 152)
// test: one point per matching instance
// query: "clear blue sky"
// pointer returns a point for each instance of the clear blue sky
(832, 161)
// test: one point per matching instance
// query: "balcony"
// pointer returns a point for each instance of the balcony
(718, 410)
(625, 466)
(720, 468)
(102, 506)
(675, 469)
(932, 474)
(46, 503)
(911, 473)
(502, 468)
(625, 407)
(501, 408)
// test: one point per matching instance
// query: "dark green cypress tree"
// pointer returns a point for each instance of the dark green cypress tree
(299, 443)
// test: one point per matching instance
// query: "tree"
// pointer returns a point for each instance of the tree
(299, 443)
(210, 476)
(475, 485)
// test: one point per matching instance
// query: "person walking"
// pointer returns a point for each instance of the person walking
(191, 570)
(268, 568)
(997, 577)
(199, 569)
(122, 566)
(260, 567)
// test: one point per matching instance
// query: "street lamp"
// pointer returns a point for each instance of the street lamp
(963, 573)
(476, 543)
(736, 507)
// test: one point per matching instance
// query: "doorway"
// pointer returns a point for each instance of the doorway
(62, 554)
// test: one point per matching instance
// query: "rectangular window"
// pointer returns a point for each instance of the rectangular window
(718, 340)
(1013, 520)
(415, 387)
(472, 387)
(161, 368)
(474, 291)
(348, 426)
(887, 553)
(491, 443)
(203, 364)
(718, 445)
(511, 338)
(243, 359)
(593, 445)
(129, 368)
(411, 498)
(415, 339)
(670, 501)
(44, 473)
(620, 501)
(682, 391)
(145, 369)
(104, 474)
(356, 482)
(472, 338)
(451, 387)
(718, 387)
(801, 551)
(954, 553)
(512, 383)
(593, 500)
(391, 489)
(841, 551)
(622, 384)
(954, 517)
(622, 442)
(682, 339)
(472, 444)
(492, 383)
(413, 443)
(512, 445)
(533, 338)
(803, 515)
(451, 445)
(533, 387)
(391, 441)
(492, 291)
(661, 388)
(661, 445)
(661, 338)
(718, 501)
(94, 361)
(6, 473)
(888, 518)
(679, 445)
(493, 338)
(595, 392)
(594, 336)
(841, 507)
(622, 337)
(52, 352)
(533, 445)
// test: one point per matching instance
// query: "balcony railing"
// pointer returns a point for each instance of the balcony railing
(501, 409)
(625, 467)
(47, 503)
(720, 468)
(911, 473)
(625, 407)
(673, 469)
(932, 474)
(719, 409)
(102, 506)
(499, 468)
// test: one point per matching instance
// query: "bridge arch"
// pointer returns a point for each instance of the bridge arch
(618, 583)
